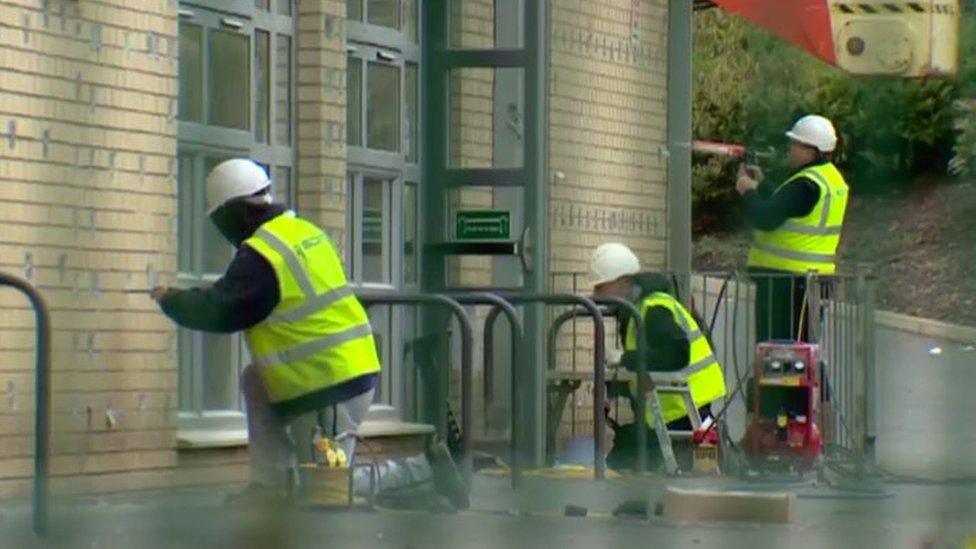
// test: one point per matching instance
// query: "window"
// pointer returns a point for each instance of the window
(383, 107)
(236, 100)
(383, 154)
(227, 67)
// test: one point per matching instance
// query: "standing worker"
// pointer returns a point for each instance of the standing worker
(797, 227)
(675, 342)
(309, 337)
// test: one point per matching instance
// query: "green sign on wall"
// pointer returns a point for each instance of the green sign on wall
(483, 225)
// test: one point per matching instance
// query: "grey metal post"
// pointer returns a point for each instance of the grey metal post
(679, 143)
(532, 383)
(866, 288)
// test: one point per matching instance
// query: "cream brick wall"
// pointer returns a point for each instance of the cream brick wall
(608, 127)
(322, 115)
(87, 200)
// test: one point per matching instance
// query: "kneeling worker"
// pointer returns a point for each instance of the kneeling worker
(309, 337)
(674, 341)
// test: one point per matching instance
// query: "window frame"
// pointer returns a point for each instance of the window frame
(198, 426)
(374, 43)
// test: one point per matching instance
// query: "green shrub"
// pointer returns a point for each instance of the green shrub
(751, 86)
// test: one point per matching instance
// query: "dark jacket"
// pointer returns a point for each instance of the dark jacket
(767, 208)
(244, 296)
(667, 347)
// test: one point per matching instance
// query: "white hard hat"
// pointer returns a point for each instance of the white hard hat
(815, 131)
(234, 178)
(612, 261)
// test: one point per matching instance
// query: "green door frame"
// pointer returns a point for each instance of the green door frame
(438, 59)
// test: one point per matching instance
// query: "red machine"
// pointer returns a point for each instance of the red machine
(783, 432)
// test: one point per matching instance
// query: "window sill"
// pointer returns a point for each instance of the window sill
(212, 429)
(210, 439)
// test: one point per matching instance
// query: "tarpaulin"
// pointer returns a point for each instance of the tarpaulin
(804, 23)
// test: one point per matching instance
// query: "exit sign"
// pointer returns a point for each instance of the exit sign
(483, 225)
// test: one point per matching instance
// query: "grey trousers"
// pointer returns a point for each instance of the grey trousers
(274, 452)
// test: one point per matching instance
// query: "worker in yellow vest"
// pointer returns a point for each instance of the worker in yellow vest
(674, 340)
(310, 340)
(797, 226)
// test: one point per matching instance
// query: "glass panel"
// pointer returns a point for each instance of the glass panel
(412, 119)
(474, 24)
(185, 214)
(283, 90)
(354, 102)
(284, 7)
(228, 79)
(410, 233)
(374, 245)
(383, 107)
(354, 10)
(219, 373)
(216, 250)
(262, 69)
(264, 5)
(384, 13)
(486, 125)
(411, 19)
(191, 66)
(282, 185)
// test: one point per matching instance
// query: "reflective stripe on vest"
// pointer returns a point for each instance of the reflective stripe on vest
(319, 334)
(703, 374)
(809, 243)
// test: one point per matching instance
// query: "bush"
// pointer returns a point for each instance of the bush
(750, 87)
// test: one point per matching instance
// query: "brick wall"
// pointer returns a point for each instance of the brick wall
(322, 115)
(608, 124)
(87, 198)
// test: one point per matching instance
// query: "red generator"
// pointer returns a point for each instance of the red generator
(783, 433)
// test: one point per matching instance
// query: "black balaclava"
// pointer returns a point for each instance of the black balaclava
(238, 219)
(651, 282)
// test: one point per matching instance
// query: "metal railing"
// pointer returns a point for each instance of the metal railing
(371, 298)
(499, 305)
(660, 429)
(599, 360)
(42, 405)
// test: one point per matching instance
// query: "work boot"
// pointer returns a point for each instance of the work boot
(447, 478)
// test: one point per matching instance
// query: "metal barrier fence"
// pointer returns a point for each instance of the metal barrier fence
(42, 404)
(740, 309)
(834, 311)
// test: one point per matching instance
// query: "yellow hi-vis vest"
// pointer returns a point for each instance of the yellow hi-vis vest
(318, 335)
(703, 374)
(808, 243)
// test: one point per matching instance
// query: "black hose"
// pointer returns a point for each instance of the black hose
(721, 295)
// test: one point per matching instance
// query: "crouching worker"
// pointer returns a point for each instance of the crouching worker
(674, 343)
(309, 337)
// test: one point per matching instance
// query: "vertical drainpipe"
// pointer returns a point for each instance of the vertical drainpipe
(679, 143)
(536, 131)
